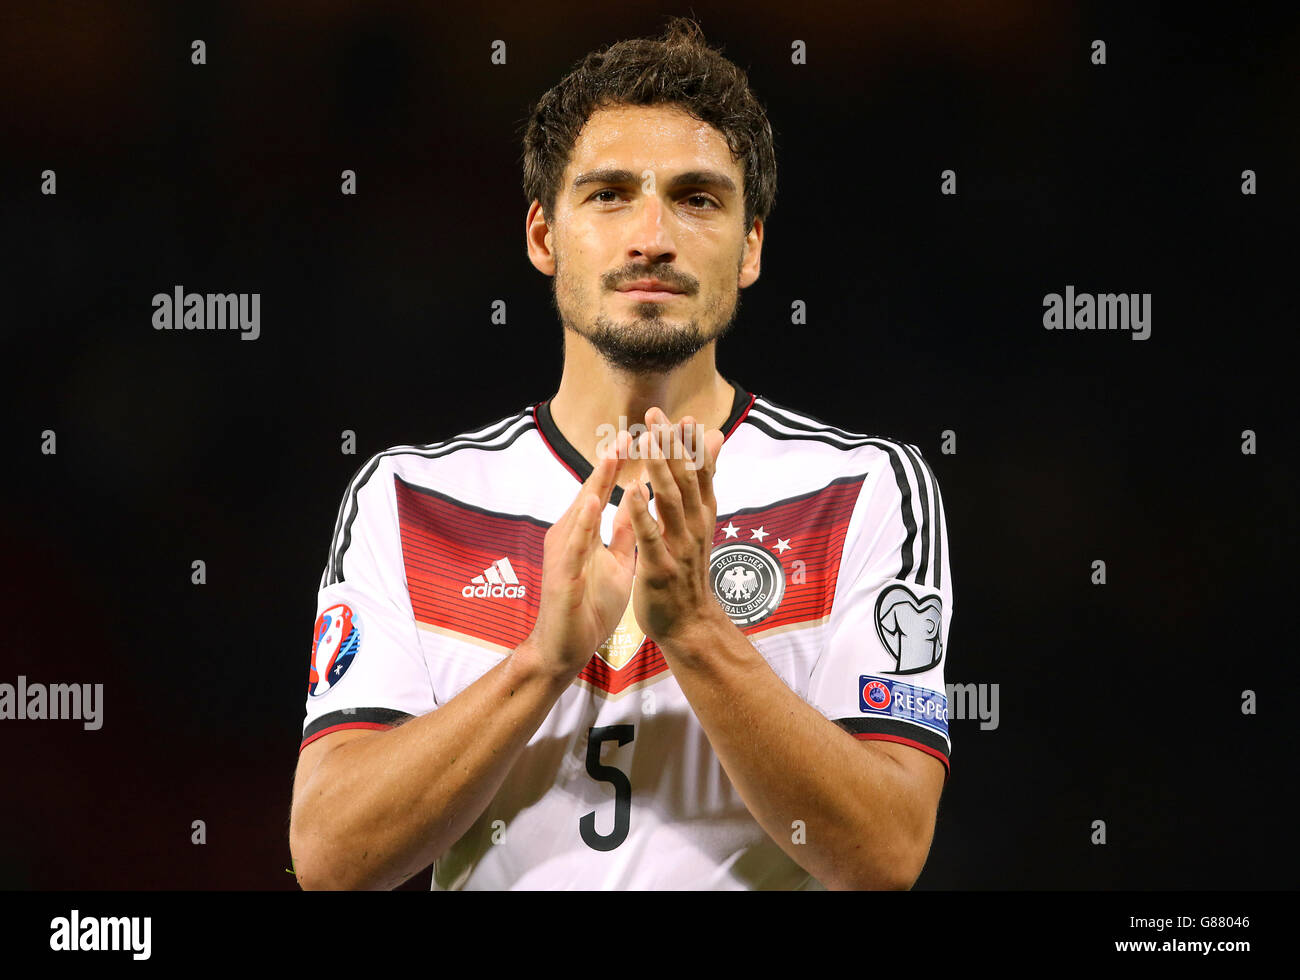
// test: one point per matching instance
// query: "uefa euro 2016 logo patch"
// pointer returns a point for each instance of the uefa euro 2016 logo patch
(747, 581)
(334, 643)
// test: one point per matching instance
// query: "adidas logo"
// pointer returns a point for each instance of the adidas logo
(498, 581)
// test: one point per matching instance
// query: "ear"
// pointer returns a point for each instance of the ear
(751, 259)
(537, 236)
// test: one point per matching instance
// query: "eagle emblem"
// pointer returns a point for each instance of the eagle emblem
(748, 581)
(739, 583)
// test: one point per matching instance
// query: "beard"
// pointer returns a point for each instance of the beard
(648, 343)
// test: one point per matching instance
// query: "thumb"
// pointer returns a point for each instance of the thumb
(622, 541)
(713, 440)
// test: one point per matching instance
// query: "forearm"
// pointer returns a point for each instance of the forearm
(860, 820)
(379, 808)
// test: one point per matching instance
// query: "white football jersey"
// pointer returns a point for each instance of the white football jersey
(830, 554)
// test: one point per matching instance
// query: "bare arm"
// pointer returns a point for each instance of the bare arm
(372, 809)
(865, 812)
(866, 809)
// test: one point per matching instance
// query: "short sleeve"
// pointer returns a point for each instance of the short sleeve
(880, 673)
(366, 669)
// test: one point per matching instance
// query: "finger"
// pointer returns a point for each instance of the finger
(586, 523)
(601, 479)
(622, 541)
(599, 483)
(667, 493)
(649, 541)
(565, 523)
(710, 446)
(683, 467)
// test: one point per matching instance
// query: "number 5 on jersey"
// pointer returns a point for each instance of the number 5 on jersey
(621, 734)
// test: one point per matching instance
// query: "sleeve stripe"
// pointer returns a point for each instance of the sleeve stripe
(905, 510)
(926, 523)
(351, 508)
(938, 517)
(879, 737)
(374, 718)
(930, 527)
(938, 521)
(879, 725)
(373, 725)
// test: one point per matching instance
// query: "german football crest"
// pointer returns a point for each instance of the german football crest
(910, 628)
(747, 581)
(334, 644)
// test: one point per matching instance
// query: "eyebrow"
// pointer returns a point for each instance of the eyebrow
(702, 178)
(691, 178)
(606, 176)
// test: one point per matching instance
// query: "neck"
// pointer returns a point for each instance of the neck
(593, 395)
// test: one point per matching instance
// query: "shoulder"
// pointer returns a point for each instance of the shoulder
(369, 499)
(898, 511)
(423, 462)
(791, 430)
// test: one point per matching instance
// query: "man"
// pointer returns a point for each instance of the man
(744, 687)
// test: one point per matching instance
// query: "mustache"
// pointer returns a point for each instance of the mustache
(683, 281)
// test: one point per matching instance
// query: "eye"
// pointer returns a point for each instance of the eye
(613, 196)
(702, 201)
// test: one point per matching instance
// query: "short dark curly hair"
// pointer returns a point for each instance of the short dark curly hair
(680, 69)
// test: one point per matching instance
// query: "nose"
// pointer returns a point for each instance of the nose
(651, 239)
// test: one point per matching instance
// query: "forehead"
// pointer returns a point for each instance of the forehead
(661, 137)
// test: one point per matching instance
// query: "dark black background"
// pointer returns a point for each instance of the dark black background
(1119, 703)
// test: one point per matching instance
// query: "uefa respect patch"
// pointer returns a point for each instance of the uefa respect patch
(334, 645)
(889, 698)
